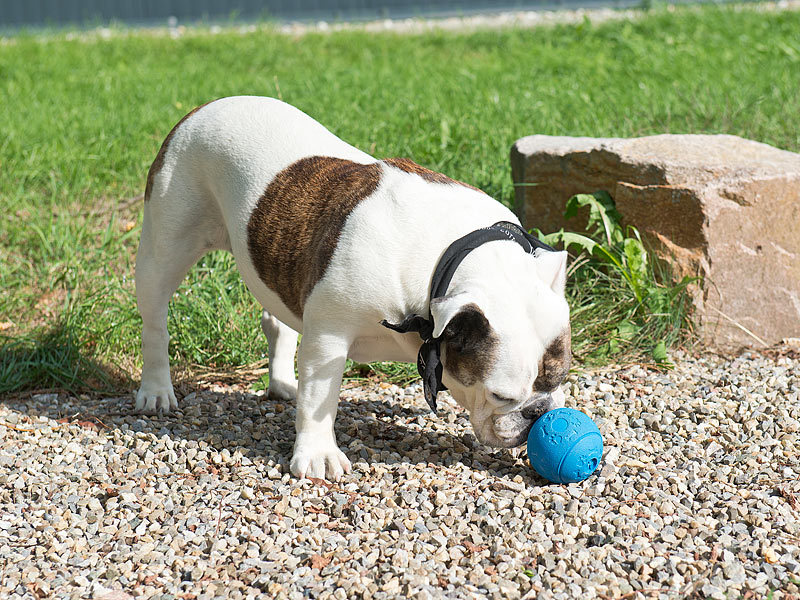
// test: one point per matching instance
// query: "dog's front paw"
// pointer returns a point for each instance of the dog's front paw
(151, 400)
(315, 457)
(280, 390)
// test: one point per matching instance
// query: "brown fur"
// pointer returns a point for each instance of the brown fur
(409, 166)
(555, 363)
(295, 226)
(470, 345)
(158, 163)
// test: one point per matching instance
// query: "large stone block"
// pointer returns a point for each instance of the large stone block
(718, 206)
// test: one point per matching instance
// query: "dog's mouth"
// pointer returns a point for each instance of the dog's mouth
(510, 430)
(505, 431)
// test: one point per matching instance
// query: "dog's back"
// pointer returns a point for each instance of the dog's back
(232, 148)
(212, 170)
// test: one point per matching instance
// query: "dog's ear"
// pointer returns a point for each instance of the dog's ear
(552, 269)
(460, 322)
(467, 337)
(444, 309)
(468, 331)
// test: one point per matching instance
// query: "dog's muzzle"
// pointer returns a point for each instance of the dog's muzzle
(511, 429)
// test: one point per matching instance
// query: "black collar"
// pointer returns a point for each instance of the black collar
(429, 362)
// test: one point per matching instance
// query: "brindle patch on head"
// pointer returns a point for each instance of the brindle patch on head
(470, 345)
(295, 225)
(555, 363)
(409, 166)
(158, 163)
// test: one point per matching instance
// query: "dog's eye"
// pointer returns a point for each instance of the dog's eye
(502, 398)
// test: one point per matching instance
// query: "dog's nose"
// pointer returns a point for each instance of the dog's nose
(538, 404)
(542, 402)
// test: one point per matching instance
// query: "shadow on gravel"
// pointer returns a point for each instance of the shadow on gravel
(53, 358)
(375, 430)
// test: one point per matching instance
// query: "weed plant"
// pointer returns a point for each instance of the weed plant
(624, 303)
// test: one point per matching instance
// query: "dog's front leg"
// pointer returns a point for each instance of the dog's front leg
(321, 361)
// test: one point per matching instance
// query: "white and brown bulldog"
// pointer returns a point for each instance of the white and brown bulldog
(343, 248)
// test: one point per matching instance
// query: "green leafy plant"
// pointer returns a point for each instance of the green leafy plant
(654, 310)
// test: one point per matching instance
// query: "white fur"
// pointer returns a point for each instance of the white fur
(217, 165)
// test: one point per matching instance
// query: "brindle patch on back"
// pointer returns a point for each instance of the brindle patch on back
(295, 225)
(158, 163)
(470, 345)
(555, 363)
(409, 166)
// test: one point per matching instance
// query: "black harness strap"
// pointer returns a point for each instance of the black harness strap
(429, 362)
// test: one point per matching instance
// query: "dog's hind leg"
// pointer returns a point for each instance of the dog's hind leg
(282, 341)
(173, 238)
(159, 271)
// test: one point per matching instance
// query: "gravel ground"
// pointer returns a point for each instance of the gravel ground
(697, 496)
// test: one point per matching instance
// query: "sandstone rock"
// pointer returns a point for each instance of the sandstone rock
(718, 206)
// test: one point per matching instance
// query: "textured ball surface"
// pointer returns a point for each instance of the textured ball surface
(565, 445)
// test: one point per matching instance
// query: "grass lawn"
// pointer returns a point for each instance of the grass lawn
(81, 120)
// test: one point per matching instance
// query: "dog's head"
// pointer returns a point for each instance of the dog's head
(506, 346)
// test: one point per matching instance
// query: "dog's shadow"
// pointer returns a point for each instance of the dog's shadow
(371, 428)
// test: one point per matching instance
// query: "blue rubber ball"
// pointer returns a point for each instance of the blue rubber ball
(565, 445)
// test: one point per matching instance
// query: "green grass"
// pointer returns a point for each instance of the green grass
(81, 120)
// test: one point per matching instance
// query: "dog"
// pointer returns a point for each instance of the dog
(342, 247)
